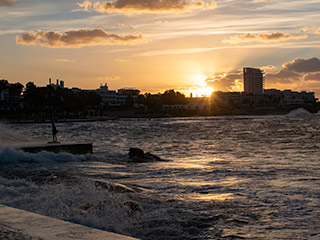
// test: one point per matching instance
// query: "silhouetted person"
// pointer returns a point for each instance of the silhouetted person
(54, 131)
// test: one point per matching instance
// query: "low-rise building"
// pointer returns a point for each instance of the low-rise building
(118, 98)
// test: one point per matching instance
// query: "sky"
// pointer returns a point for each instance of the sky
(156, 45)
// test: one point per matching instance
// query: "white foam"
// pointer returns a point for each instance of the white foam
(300, 112)
(10, 155)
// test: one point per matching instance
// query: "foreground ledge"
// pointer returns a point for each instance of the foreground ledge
(26, 225)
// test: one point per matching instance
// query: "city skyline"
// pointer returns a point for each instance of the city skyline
(189, 46)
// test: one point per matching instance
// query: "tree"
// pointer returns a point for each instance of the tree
(3, 84)
(171, 97)
(15, 89)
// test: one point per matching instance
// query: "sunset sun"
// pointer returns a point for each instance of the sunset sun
(201, 89)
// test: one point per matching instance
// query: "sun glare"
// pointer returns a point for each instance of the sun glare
(203, 90)
(200, 80)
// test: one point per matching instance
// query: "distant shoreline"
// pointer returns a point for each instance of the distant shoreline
(251, 112)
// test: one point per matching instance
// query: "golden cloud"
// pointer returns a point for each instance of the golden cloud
(108, 78)
(312, 77)
(268, 67)
(305, 29)
(226, 82)
(262, 0)
(64, 60)
(296, 70)
(120, 60)
(146, 6)
(264, 37)
(76, 38)
(86, 5)
(7, 2)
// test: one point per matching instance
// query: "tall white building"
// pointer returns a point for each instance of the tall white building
(253, 80)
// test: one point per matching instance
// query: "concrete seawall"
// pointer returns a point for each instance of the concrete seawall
(20, 224)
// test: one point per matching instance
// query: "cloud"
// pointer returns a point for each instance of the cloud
(76, 38)
(108, 78)
(312, 77)
(120, 60)
(269, 67)
(8, 3)
(296, 71)
(86, 5)
(262, 0)
(317, 31)
(283, 76)
(161, 22)
(305, 29)
(64, 60)
(146, 6)
(264, 37)
(121, 25)
(298, 74)
(226, 82)
(299, 65)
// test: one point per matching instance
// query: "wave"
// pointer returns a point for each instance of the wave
(87, 203)
(11, 155)
(300, 112)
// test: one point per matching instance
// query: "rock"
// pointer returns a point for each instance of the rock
(151, 156)
(136, 152)
(138, 155)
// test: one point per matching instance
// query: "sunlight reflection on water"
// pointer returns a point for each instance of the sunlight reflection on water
(219, 178)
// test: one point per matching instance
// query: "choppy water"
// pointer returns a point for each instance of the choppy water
(222, 178)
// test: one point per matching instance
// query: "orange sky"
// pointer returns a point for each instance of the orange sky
(156, 45)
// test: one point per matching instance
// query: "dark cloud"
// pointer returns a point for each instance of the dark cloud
(264, 37)
(299, 73)
(295, 70)
(226, 82)
(76, 38)
(283, 76)
(303, 65)
(7, 2)
(312, 77)
(147, 6)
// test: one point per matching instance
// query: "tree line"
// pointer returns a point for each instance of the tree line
(33, 101)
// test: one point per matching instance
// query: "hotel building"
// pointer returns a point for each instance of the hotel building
(253, 80)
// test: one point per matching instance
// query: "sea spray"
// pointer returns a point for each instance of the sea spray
(9, 136)
(300, 112)
(9, 155)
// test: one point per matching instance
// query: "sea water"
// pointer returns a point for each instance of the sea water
(219, 178)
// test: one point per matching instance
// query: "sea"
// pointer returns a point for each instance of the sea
(228, 177)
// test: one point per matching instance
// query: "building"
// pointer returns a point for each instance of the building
(253, 80)
(291, 98)
(59, 84)
(10, 97)
(117, 98)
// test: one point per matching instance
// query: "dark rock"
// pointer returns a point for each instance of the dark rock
(136, 152)
(138, 155)
(151, 156)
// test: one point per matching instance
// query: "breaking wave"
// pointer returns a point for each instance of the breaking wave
(10, 155)
(300, 112)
